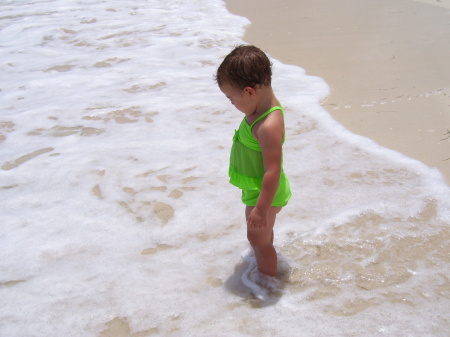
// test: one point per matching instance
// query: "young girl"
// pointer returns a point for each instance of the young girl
(256, 155)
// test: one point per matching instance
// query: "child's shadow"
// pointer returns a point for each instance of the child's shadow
(235, 286)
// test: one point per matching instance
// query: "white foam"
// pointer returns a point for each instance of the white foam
(115, 202)
(260, 292)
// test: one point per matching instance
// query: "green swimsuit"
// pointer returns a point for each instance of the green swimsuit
(247, 167)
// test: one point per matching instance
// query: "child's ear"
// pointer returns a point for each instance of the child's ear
(251, 91)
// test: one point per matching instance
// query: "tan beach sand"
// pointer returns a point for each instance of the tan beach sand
(386, 62)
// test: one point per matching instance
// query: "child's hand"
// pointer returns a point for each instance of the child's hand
(257, 219)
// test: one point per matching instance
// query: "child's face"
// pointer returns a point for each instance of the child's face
(242, 99)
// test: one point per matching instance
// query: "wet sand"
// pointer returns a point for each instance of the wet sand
(386, 62)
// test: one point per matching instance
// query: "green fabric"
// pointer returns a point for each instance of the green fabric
(246, 163)
(250, 197)
(244, 133)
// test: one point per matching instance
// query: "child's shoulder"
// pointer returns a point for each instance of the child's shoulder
(273, 119)
(270, 126)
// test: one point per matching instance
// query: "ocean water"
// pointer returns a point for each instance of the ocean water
(117, 218)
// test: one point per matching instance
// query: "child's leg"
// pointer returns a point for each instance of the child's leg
(262, 242)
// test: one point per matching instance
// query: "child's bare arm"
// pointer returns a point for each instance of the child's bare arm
(270, 137)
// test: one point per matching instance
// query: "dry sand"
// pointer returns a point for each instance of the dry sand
(386, 62)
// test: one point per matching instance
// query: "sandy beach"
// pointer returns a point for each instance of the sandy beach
(118, 218)
(386, 62)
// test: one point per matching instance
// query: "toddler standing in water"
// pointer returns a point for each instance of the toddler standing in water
(256, 156)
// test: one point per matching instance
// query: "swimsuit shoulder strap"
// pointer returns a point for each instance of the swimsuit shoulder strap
(265, 115)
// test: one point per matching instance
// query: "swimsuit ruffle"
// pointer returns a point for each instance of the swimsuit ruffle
(244, 182)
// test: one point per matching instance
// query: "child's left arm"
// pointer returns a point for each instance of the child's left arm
(269, 134)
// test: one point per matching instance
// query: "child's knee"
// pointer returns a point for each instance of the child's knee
(258, 238)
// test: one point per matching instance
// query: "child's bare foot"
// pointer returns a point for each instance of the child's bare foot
(270, 283)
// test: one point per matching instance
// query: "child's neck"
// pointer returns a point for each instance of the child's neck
(266, 100)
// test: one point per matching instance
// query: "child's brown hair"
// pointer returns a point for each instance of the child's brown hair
(245, 66)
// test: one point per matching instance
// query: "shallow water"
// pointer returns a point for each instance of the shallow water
(117, 217)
